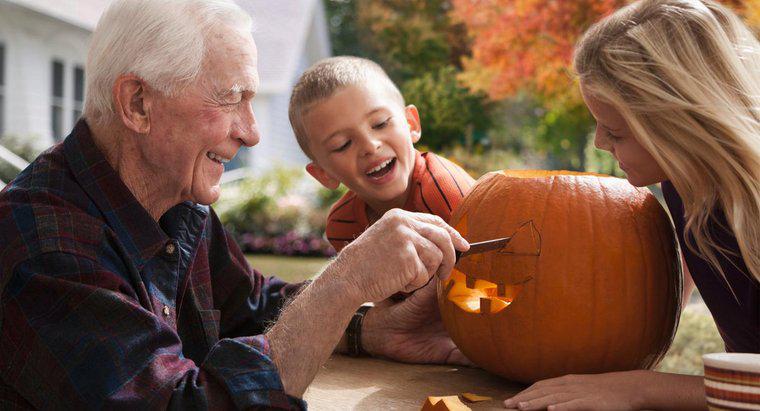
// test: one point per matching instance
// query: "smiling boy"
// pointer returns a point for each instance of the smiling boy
(352, 122)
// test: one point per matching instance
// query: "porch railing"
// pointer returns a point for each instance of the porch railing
(11, 158)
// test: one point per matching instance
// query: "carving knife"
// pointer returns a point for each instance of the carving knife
(484, 246)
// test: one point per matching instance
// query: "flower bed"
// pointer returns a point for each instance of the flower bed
(291, 244)
(282, 212)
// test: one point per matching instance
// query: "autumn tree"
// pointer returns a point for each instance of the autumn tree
(450, 111)
(421, 48)
(747, 9)
(411, 37)
(526, 46)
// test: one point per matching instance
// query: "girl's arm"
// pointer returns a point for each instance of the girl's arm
(628, 390)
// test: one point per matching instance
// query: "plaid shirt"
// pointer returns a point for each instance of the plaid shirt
(103, 308)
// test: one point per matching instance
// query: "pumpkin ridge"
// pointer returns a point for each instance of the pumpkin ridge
(645, 338)
(594, 221)
(499, 353)
(607, 205)
(539, 354)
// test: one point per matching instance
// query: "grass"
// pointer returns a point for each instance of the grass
(290, 269)
(696, 333)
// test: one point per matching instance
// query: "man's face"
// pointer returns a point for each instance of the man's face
(362, 137)
(614, 135)
(193, 134)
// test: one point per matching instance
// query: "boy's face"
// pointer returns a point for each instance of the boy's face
(362, 136)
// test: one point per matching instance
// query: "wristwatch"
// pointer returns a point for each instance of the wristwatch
(354, 333)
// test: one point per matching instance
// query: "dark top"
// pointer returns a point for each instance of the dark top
(101, 307)
(737, 312)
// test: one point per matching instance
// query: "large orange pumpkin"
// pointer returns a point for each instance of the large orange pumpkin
(590, 283)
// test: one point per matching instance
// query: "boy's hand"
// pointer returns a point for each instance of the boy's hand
(400, 252)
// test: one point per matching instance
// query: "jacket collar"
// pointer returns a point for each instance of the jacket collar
(130, 221)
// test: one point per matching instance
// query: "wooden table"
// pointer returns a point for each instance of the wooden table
(346, 383)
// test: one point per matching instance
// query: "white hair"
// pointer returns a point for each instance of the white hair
(163, 42)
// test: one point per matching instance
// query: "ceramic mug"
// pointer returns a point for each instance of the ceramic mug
(732, 381)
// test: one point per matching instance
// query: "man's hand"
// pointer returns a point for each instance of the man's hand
(410, 330)
(628, 390)
(400, 252)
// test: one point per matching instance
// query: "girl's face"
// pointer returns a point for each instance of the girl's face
(614, 135)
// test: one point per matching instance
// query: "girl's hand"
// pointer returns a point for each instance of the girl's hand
(612, 391)
(628, 390)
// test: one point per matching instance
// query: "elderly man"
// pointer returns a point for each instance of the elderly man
(120, 288)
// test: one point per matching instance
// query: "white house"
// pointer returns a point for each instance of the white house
(43, 48)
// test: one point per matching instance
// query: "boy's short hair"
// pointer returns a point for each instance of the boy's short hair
(325, 78)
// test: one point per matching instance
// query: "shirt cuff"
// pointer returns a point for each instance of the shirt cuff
(243, 367)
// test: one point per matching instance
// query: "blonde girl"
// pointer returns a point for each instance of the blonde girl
(675, 88)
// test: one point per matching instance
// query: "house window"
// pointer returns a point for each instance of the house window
(56, 107)
(78, 93)
(2, 89)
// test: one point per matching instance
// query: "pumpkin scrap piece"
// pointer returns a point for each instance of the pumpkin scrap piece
(470, 397)
(449, 403)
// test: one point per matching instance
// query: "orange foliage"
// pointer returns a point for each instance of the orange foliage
(527, 44)
(751, 13)
(519, 44)
(747, 9)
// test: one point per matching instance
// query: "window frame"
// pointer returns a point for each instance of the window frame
(57, 98)
(77, 97)
(3, 85)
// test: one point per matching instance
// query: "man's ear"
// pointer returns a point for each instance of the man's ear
(413, 118)
(132, 101)
(322, 176)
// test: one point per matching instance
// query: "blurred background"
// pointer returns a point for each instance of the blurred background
(491, 78)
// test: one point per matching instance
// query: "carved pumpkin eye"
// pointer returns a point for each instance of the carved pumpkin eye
(603, 293)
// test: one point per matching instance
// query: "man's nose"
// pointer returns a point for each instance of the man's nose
(247, 130)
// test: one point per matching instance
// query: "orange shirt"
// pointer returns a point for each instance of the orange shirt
(438, 186)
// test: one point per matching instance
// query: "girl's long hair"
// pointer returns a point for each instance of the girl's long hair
(685, 75)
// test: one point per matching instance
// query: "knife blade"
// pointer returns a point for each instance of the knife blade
(484, 246)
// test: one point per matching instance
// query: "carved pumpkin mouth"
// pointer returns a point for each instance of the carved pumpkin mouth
(480, 296)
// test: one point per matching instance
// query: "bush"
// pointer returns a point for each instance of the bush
(481, 160)
(696, 335)
(599, 161)
(22, 147)
(448, 110)
(282, 212)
